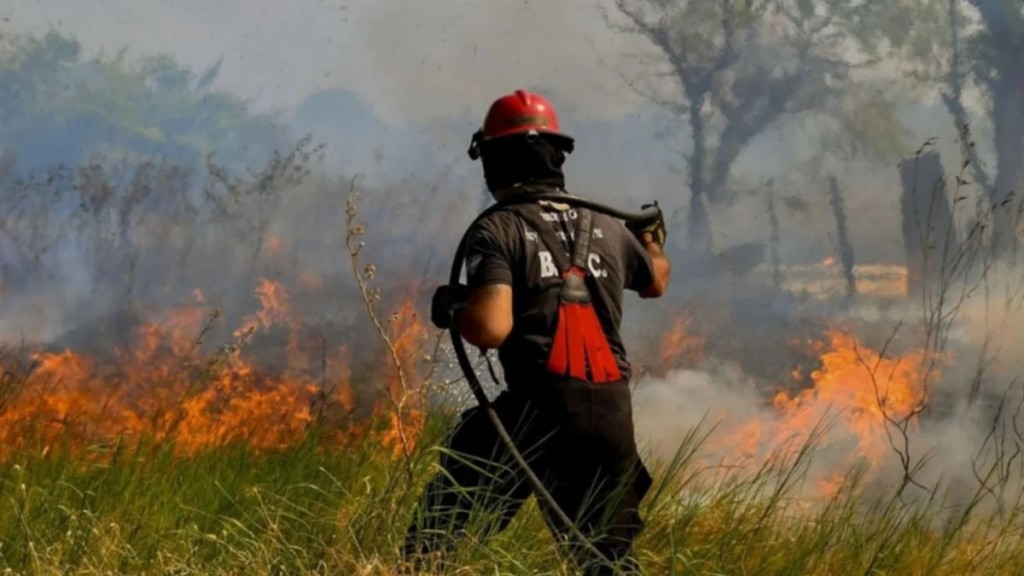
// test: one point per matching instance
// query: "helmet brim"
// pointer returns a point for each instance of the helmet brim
(560, 140)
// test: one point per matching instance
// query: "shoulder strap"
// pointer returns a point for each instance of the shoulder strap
(584, 225)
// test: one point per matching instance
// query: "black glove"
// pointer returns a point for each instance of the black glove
(655, 226)
(449, 301)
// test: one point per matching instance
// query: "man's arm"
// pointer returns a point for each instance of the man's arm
(661, 266)
(487, 318)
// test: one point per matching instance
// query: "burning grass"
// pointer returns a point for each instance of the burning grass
(165, 460)
(865, 397)
(162, 390)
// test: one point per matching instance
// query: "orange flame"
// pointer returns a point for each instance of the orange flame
(681, 348)
(867, 388)
(407, 336)
(162, 389)
(863, 390)
(274, 307)
(273, 245)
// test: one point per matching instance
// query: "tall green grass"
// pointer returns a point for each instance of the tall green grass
(323, 510)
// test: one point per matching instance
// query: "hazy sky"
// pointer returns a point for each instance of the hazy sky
(413, 60)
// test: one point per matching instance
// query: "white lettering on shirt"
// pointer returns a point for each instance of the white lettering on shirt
(547, 265)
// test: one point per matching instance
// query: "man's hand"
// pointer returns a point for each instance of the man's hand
(650, 230)
(448, 302)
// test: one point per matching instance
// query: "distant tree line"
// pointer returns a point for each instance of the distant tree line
(58, 107)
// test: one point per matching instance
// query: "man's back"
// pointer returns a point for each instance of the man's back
(506, 248)
(577, 426)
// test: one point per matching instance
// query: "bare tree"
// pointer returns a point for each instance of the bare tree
(970, 50)
(734, 68)
(995, 53)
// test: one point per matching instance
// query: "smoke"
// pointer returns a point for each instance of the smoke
(668, 407)
(414, 62)
(560, 47)
(932, 410)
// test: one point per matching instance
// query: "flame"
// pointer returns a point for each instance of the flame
(681, 348)
(867, 388)
(273, 306)
(273, 245)
(830, 486)
(829, 261)
(865, 392)
(163, 389)
(407, 337)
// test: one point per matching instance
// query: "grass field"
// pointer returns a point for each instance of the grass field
(311, 508)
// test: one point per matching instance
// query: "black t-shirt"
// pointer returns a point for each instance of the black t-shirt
(502, 248)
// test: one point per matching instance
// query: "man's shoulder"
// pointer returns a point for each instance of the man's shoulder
(499, 222)
(500, 227)
(611, 228)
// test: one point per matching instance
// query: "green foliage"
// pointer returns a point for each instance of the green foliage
(57, 106)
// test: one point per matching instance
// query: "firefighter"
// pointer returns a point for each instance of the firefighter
(545, 284)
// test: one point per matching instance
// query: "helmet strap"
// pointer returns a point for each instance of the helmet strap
(474, 145)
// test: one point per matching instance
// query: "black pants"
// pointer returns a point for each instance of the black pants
(577, 437)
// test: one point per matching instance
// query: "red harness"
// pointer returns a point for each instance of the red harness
(579, 348)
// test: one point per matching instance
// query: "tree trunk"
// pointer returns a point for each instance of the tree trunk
(773, 240)
(928, 232)
(846, 257)
(698, 229)
(1008, 121)
(1004, 21)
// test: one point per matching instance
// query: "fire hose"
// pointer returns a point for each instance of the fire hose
(544, 497)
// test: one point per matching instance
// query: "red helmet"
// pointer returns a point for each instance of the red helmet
(521, 112)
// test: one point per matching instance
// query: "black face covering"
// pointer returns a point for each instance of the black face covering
(528, 159)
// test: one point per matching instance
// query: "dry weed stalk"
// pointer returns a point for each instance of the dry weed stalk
(363, 275)
(953, 271)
